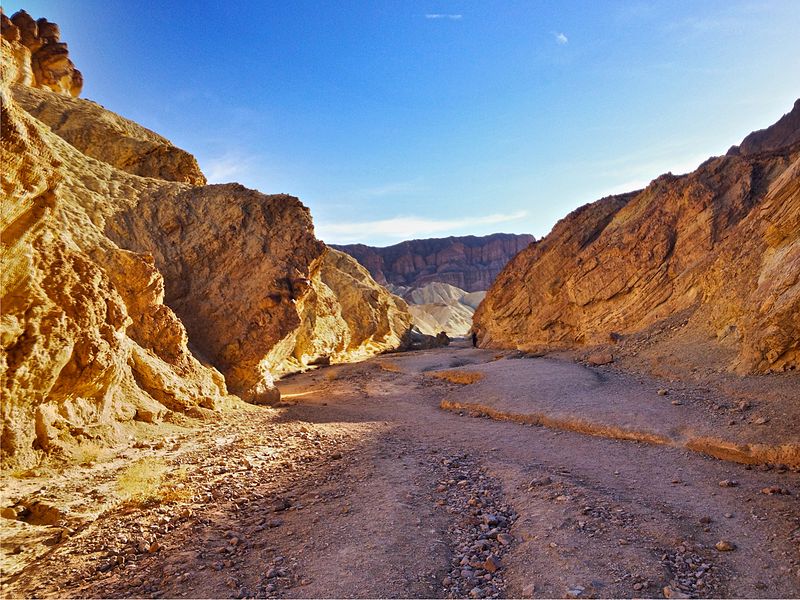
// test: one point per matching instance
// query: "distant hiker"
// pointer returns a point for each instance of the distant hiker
(474, 339)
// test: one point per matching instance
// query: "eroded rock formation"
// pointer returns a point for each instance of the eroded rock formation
(719, 246)
(87, 343)
(130, 291)
(470, 263)
(36, 56)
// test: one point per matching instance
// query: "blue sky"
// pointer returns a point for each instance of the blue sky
(402, 119)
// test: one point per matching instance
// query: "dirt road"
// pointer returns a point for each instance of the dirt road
(364, 487)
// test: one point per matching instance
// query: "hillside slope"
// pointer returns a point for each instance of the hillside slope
(713, 255)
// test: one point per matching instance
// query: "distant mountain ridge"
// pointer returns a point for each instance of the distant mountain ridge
(469, 262)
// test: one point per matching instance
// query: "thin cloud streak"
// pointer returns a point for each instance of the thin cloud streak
(227, 168)
(406, 227)
(561, 39)
(451, 17)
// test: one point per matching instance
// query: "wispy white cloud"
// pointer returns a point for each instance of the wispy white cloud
(406, 227)
(561, 39)
(449, 16)
(394, 188)
(229, 167)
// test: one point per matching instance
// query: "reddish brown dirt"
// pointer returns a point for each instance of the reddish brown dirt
(364, 487)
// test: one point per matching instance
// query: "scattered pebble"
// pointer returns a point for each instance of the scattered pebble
(725, 546)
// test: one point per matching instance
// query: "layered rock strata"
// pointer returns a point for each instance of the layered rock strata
(720, 247)
(469, 263)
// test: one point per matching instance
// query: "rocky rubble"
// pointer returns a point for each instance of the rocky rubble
(480, 535)
(720, 244)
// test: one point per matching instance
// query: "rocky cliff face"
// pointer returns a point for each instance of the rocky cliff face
(36, 57)
(131, 292)
(88, 347)
(470, 263)
(720, 247)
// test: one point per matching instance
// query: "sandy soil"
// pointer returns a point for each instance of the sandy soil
(362, 486)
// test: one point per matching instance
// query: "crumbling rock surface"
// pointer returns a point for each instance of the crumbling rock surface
(720, 245)
(37, 57)
(130, 292)
(106, 136)
(470, 263)
(88, 348)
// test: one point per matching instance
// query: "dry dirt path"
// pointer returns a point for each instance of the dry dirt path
(365, 487)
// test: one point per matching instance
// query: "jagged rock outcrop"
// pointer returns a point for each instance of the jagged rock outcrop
(88, 348)
(106, 136)
(784, 133)
(470, 263)
(36, 57)
(130, 294)
(721, 246)
(346, 317)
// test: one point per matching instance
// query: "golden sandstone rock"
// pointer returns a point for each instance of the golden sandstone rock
(719, 246)
(130, 290)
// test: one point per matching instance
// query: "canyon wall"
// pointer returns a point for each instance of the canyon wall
(470, 263)
(719, 248)
(132, 292)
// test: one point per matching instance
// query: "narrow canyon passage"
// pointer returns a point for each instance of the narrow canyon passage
(362, 486)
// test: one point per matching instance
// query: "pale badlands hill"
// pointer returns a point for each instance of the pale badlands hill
(699, 271)
(132, 292)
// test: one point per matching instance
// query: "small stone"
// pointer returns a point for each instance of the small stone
(476, 592)
(706, 520)
(637, 586)
(281, 504)
(725, 546)
(540, 481)
(9, 513)
(662, 392)
(234, 541)
(336, 456)
(677, 403)
(528, 590)
(576, 591)
(274, 523)
(600, 358)
(492, 564)
(728, 515)
(154, 547)
(671, 593)
(744, 405)
(727, 483)
(773, 490)
(505, 538)
(760, 421)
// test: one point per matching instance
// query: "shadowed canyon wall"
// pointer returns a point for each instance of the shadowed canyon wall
(131, 291)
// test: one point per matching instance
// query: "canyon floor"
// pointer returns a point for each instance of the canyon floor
(388, 479)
